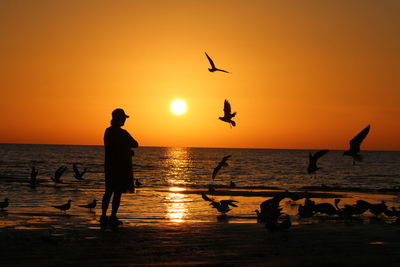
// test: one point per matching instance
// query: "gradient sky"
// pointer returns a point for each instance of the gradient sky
(306, 74)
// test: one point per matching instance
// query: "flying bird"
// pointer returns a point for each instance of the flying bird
(221, 164)
(227, 114)
(57, 175)
(4, 204)
(355, 145)
(312, 164)
(222, 206)
(64, 207)
(213, 68)
(89, 206)
(78, 175)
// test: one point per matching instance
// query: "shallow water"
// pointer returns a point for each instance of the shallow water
(163, 170)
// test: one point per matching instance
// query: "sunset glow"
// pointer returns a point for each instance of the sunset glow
(304, 74)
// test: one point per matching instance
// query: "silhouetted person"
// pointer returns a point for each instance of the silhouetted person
(78, 175)
(118, 144)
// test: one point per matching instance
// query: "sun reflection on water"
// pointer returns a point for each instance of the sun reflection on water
(176, 207)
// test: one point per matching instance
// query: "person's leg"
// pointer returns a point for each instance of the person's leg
(105, 202)
(115, 204)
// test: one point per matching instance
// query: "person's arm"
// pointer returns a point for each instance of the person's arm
(132, 141)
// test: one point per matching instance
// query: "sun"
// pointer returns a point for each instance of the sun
(178, 107)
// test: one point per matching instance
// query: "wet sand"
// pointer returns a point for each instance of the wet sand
(331, 243)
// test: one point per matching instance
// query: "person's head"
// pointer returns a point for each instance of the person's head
(118, 117)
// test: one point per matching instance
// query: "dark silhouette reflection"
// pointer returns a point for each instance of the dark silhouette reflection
(90, 206)
(64, 207)
(77, 174)
(4, 204)
(232, 184)
(118, 144)
(33, 179)
(227, 114)
(312, 164)
(213, 68)
(355, 145)
(57, 175)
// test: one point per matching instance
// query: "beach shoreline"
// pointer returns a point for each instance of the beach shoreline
(175, 244)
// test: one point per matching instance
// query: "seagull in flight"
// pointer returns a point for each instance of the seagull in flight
(57, 175)
(213, 68)
(78, 175)
(355, 145)
(221, 164)
(227, 114)
(222, 206)
(89, 206)
(64, 207)
(312, 164)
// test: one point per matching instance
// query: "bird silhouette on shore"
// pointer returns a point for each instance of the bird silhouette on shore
(89, 206)
(227, 114)
(223, 206)
(34, 173)
(221, 164)
(355, 145)
(77, 174)
(312, 164)
(57, 175)
(4, 204)
(64, 207)
(213, 68)
(138, 183)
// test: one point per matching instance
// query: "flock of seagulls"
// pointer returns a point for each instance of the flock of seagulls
(57, 174)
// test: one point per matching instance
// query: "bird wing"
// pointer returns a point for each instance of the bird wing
(222, 70)
(319, 154)
(224, 159)
(228, 202)
(206, 198)
(216, 169)
(227, 108)
(211, 62)
(356, 141)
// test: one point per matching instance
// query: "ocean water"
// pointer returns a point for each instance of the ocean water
(166, 171)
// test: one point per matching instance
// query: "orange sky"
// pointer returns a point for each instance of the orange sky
(306, 74)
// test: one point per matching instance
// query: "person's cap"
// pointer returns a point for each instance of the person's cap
(119, 113)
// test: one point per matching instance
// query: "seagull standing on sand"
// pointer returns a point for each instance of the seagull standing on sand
(64, 207)
(312, 164)
(90, 206)
(78, 174)
(57, 175)
(213, 68)
(4, 204)
(355, 145)
(227, 114)
(221, 164)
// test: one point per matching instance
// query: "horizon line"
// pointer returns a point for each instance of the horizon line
(261, 148)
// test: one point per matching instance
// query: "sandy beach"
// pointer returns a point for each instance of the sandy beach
(330, 243)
